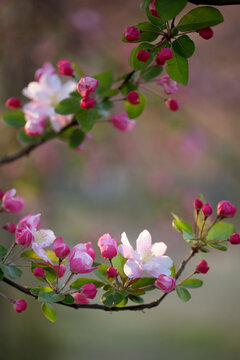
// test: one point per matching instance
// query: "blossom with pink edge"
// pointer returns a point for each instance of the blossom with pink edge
(27, 233)
(45, 94)
(122, 122)
(61, 249)
(81, 259)
(169, 85)
(80, 299)
(86, 85)
(165, 283)
(47, 68)
(11, 203)
(19, 305)
(89, 290)
(147, 257)
(108, 246)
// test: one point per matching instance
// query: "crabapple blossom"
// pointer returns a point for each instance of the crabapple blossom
(169, 85)
(86, 85)
(165, 283)
(61, 250)
(89, 290)
(65, 67)
(198, 204)
(172, 104)
(111, 272)
(62, 270)
(10, 226)
(143, 55)
(235, 239)
(226, 209)
(152, 9)
(131, 33)
(13, 103)
(207, 210)
(87, 102)
(122, 122)
(202, 267)
(80, 299)
(39, 272)
(90, 250)
(147, 257)
(10, 203)
(133, 97)
(108, 246)
(19, 305)
(206, 33)
(47, 68)
(81, 259)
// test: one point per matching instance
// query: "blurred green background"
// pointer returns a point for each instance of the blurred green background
(126, 182)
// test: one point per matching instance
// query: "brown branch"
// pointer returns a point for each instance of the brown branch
(139, 307)
(215, 2)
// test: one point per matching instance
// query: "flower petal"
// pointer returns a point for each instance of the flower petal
(44, 238)
(132, 269)
(159, 249)
(144, 242)
(40, 252)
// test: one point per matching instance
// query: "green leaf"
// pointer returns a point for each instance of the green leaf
(105, 105)
(36, 290)
(144, 281)
(192, 283)
(155, 20)
(180, 225)
(145, 36)
(78, 72)
(218, 246)
(183, 293)
(221, 231)
(101, 273)
(32, 255)
(77, 284)
(76, 138)
(127, 87)
(144, 4)
(168, 9)
(49, 312)
(49, 272)
(118, 297)
(123, 302)
(204, 250)
(184, 46)
(48, 297)
(25, 139)
(86, 118)
(134, 62)
(107, 298)
(3, 251)
(138, 292)
(187, 235)
(11, 271)
(118, 263)
(105, 80)
(68, 299)
(68, 106)
(1, 275)
(200, 18)
(14, 118)
(177, 68)
(134, 111)
(136, 299)
(151, 72)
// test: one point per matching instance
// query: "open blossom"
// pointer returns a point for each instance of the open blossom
(47, 68)
(122, 122)
(147, 257)
(11, 203)
(27, 233)
(81, 259)
(108, 246)
(45, 94)
(86, 85)
(169, 85)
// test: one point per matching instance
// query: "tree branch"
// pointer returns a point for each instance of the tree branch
(215, 2)
(140, 307)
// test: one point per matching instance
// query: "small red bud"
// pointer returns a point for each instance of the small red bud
(39, 272)
(13, 103)
(226, 209)
(131, 33)
(65, 67)
(235, 239)
(202, 267)
(206, 33)
(87, 102)
(207, 210)
(19, 305)
(165, 54)
(172, 104)
(198, 204)
(10, 226)
(133, 97)
(143, 55)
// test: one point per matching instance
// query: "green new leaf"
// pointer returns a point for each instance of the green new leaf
(25, 139)
(77, 284)
(221, 231)
(76, 138)
(11, 271)
(118, 263)
(177, 68)
(151, 72)
(200, 18)
(136, 299)
(183, 293)
(14, 118)
(140, 65)
(48, 297)
(184, 46)
(134, 111)
(32, 255)
(192, 283)
(68, 299)
(217, 246)
(3, 251)
(78, 72)
(123, 302)
(180, 225)
(68, 106)
(86, 118)
(168, 9)
(49, 312)
(105, 80)
(144, 281)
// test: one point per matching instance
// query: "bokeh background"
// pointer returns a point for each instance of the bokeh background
(126, 182)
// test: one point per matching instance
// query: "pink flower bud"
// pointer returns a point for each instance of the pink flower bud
(133, 97)
(62, 270)
(202, 267)
(206, 33)
(87, 102)
(19, 305)
(1, 193)
(122, 122)
(35, 126)
(111, 272)
(25, 228)
(108, 246)
(172, 104)
(89, 291)
(152, 9)
(165, 283)
(61, 250)
(65, 67)
(207, 210)
(143, 55)
(10, 226)
(79, 260)
(86, 85)
(11, 203)
(13, 103)
(80, 299)
(159, 62)
(235, 239)
(90, 250)
(198, 204)
(226, 209)
(39, 272)
(165, 54)
(131, 33)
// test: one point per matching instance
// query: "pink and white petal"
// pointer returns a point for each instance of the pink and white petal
(126, 251)
(161, 270)
(167, 261)
(132, 269)
(40, 252)
(159, 249)
(124, 239)
(144, 242)
(34, 91)
(44, 237)
(60, 121)
(50, 83)
(67, 88)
